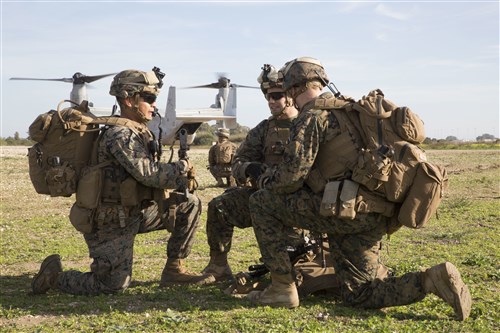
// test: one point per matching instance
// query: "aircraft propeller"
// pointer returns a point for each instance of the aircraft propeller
(77, 78)
(222, 82)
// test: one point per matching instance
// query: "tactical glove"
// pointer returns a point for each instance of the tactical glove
(192, 182)
(184, 166)
(254, 170)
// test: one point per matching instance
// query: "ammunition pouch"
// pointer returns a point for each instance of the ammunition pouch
(344, 199)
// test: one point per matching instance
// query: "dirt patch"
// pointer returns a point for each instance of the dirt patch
(11, 151)
(27, 321)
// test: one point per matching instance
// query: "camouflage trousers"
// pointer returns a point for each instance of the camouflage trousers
(229, 210)
(354, 245)
(111, 245)
(223, 171)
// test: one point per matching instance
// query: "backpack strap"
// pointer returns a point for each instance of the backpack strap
(117, 121)
(348, 120)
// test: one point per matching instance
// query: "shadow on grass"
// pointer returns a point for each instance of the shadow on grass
(334, 306)
(17, 298)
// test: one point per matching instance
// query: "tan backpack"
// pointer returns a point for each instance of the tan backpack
(65, 140)
(385, 160)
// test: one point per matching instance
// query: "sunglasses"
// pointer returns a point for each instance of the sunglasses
(275, 96)
(148, 98)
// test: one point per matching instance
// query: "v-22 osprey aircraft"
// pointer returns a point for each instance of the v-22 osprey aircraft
(174, 119)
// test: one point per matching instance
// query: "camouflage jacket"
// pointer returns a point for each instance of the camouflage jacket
(307, 134)
(131, 154)
(221, 153)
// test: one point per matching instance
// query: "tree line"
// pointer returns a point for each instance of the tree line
(205, 137)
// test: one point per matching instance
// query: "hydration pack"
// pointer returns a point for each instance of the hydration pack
(390, 174)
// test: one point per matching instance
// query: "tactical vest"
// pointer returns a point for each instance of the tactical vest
(277, 135)
(108, 182)
(118, 186)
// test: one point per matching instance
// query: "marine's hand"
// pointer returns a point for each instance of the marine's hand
(184, 166)
(254, 170)
(192, 182)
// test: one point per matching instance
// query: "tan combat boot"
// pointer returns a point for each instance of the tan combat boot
(281, 293)
(218, 266)
(174, 274)
(46, 277)
(444, 281)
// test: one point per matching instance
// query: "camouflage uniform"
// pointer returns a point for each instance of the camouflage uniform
(221, 170)
(230, 209)
(355, 244)
(115, 226)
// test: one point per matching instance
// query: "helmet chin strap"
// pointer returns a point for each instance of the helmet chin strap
(292, 94)
(135, 109)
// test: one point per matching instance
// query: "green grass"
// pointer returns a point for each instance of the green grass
(33, 226)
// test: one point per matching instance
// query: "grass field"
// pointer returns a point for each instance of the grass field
(34, 226)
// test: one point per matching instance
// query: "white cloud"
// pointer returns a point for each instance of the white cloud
(385, 10)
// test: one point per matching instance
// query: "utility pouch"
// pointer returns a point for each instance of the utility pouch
(88, 192)
(329, 202)
(369, 202)
(37, 170)
(61, 180)
(372, 170)
(128, 192)
(348, 196)
(81, 218)
(424, 196)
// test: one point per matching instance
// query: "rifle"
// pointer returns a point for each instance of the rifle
(183, 155)
(168, 215)
(246, 281)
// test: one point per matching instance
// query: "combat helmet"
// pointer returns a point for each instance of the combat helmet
(301, 70)
(129, 82)
(269, 78)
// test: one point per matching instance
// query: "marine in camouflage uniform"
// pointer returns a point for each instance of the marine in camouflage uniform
(220, 158)
(263, 147)
(133, 177)
(286, 200)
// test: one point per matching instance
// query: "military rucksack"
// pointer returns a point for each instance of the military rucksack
(378, 144)
(63, 148)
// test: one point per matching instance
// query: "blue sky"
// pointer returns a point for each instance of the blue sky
(439, 58)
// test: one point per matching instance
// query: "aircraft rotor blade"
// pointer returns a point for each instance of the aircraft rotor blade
(77, 78)
(88, 79)
(243, 86)
(211, 85)
(68, 80)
